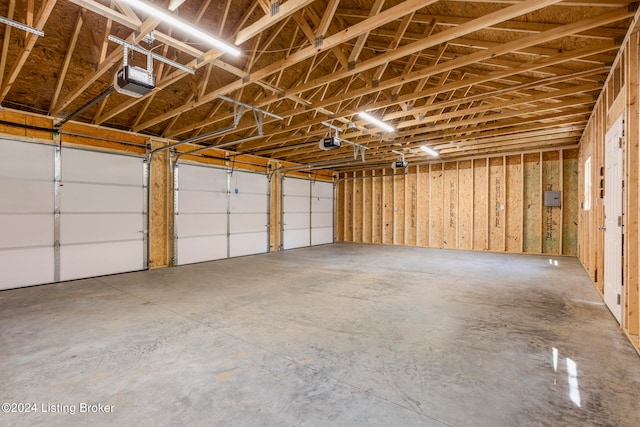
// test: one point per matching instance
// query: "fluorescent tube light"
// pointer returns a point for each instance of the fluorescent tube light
(382, 125)
(179, 24)
(429, 151)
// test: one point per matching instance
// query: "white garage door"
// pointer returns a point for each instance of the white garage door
(321, 213)
(102, 214)
(219, 213)
(26, 214)
(248, 214)
(296, 213)
(201, 213)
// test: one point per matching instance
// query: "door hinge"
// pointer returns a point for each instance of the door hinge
(619, 220)
(620, 142)
(618, 299)
(623, 184)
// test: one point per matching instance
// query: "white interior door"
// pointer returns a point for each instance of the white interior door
(613, 211)
(102, 214)
(296, 213)
(26, 214)
(201, 214)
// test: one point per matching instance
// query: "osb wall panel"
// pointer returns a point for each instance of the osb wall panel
(161, 206)
(551, 215)
(378, 221)
(398, 210)
(367, 208)
(532, 233)
(450, 206)
(491, 204)
(480, 205)
(411, 207)
(570, 201)
(422, 219)
(497, 208)
(436, 214)
(514, 203)
(388, 209)
(465, 205)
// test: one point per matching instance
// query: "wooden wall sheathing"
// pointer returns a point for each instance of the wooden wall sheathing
(570, 203)
(550, 215)
(424, 199)
(514, 202)
(450, 206)
(358, 211)
(436, 217)
(160, 208)
(398, 209)
(465, 205)
(496, 204)
(367, 210)
(532, 204)
(480, 205)
(387, 211)
(411, 207)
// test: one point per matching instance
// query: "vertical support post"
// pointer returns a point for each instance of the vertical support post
(229, 173)
(473, 205)
(522, 187)
(486, 247)
(541, 204)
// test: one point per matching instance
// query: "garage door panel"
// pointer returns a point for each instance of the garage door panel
(99, 259)
(199, 249)
(247, 203)
(249, 182)
(321, 219)
(202, 224)
(242, 223)
(85, 228)
(296, 239)
(26, 267)
(26, 230)
(321, 205)
(26, 160)
(202, 178)
(248, 244)
(296, 204)
(202, 202)
(296, 187)
(98, 167)
(322, 189)
(79, 197)
(17, 196)
(293, 221)
(321, 236)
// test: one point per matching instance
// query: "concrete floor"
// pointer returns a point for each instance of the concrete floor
(341, 334)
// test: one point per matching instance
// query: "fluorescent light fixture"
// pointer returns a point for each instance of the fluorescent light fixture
(382, 125)
(429, 151)
(22, 26)
(179, 24)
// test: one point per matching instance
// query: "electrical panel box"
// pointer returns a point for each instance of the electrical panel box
(552, 198)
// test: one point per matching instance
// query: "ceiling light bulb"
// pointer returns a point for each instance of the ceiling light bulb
(429, 151)
(179, 24)
(378, 123)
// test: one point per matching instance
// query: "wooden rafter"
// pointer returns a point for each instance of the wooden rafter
(5, 41)
(67, 59)
(285, 10)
